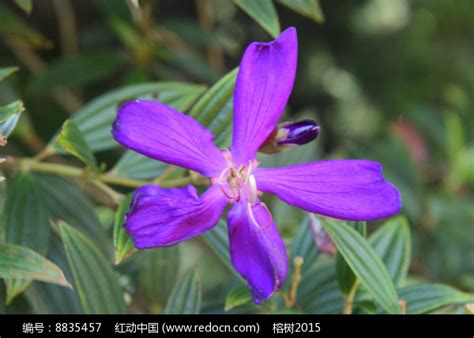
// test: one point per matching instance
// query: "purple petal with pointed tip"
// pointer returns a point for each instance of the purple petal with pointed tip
(264, 83)
(164, 217)
(160, 132)
(345, 189)
(257, 251)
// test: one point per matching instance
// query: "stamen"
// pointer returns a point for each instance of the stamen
(254, 221)
(252, 183)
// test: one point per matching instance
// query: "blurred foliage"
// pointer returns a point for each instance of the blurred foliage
(390, 81)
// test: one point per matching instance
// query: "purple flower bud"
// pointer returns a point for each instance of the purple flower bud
(299, 133)
(290, 134)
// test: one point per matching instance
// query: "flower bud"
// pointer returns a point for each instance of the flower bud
(290, 134)
(323, 242)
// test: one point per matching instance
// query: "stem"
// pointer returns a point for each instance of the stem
(27, 164)
(350, 298)
(290, 299)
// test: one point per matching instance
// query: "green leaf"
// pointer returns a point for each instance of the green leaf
(94, 279)
(123, 244)
(78, 70)
(73, 142)
(186, 296)
(7, 71)
(14, 27)
(424, 298)
(344, 274)
(308, 8)
(26, 223)
(95, 119)
(215, 108)
(303, 245)
(136, 166)
(158, 275)
(239, 295)
(18, 262)
(9, 116)
(48, 298)
(218, 240)
(365, 264)
(263, 12)
(65, 201)
(393, 245)
(318, 291)
(26, 5)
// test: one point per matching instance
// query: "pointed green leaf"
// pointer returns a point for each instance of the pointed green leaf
(26, 223)
(424, 298)
(318, 291)
(239, 295)
(25, 5)
(186, 296)
(46, 298)
(214, 108)
(94, 278)
(345, 276)
(365, 264)
(7, 71)
(17, 262)
(74, 143)
(65, 201)
(83, 69)
(218, 240)
(263, 12)
(123, 244)
(158, 275)
(393, 245)
(9, 116)
(95, 119)
(308, 8)
(139, 167)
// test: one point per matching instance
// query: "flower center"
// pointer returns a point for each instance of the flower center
(238, 182)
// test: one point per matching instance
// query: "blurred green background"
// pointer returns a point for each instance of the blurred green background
(387, 80)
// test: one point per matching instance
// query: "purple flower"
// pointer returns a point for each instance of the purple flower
(345, 189)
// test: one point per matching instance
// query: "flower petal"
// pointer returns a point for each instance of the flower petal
(158, 131)
(163, 217)
(264, 83)
(345, 189)
(257, 250)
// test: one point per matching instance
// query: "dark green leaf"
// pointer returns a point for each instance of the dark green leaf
(7, 71)
(26, 223)
(158, 275)
(73, 142)
(304, 246)
(263, 12)
(123, 244)
(48, 298)
(25, 5)
(14, 27)
(186, 296)
(94, 279)
(308, 8)
(318, 291)
(214, 108)
(136, 166)
(424, 298)
(239, 295)
(345, 276)
(9, 116)
(365, 264)
(77, 71)
(218, 240)
(393, 245)
(18, 262)
(65, 201)
(95, 119)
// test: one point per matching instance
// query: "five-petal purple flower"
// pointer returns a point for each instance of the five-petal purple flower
(345, 189)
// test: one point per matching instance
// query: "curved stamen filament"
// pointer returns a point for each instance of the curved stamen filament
(252, 216)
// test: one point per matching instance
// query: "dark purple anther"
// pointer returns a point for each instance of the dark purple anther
(299, 133)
